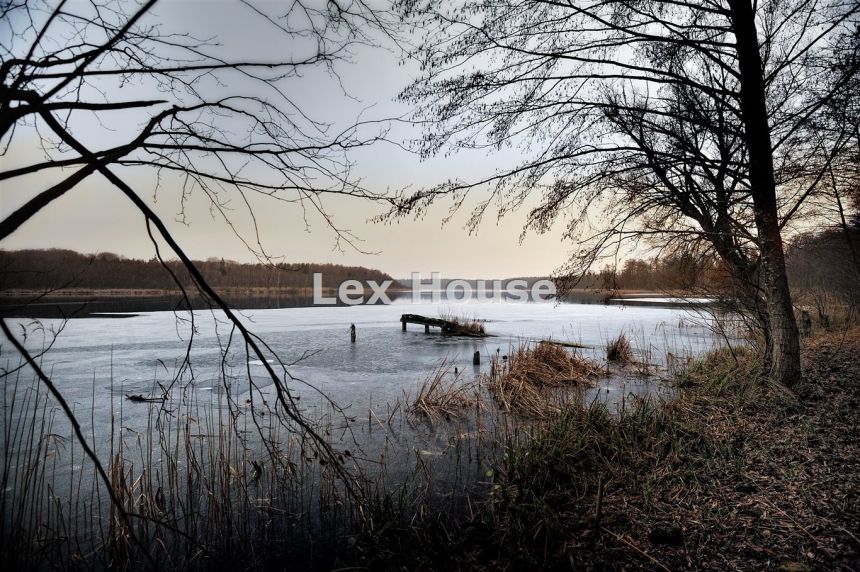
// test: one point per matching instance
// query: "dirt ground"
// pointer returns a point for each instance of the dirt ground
(793, 501)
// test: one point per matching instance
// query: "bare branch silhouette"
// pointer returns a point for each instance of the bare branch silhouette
(690, 125)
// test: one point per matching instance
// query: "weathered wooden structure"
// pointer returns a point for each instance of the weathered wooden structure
(446, 326)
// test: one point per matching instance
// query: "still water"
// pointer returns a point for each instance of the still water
(97, 360)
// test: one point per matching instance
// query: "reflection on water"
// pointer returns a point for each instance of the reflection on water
(81, 306)
(76, 306)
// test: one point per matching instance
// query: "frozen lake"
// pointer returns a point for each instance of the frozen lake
(94, 358)
(184, 446)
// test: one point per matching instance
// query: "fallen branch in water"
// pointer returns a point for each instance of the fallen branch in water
(138, 398)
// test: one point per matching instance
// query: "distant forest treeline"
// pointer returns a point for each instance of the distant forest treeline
(824, 260)
(828, 259)
(49, 269)
(681, 272)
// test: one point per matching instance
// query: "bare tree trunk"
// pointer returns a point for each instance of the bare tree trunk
(784, 342)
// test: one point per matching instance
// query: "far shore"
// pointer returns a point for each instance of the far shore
(158, 293)
(298, 291)
(85, 302)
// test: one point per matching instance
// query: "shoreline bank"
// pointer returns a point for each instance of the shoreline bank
(733, 474)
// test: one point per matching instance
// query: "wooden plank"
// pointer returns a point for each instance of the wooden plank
(446, 326)
(416, 319)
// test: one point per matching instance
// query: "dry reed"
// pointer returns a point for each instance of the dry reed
(206, 483)
(525, 381)
(464, 325)
(619, 349)
(443, 395)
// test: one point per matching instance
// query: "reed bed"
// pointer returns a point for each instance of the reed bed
(443, 394)
(619, 350)
(525, 381)
(697, 482)
(217, 478)
(463, 324)
(701, 481)
(223, 480)
(204, 483)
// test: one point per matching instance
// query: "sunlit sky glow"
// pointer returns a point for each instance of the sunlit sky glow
(95, 218)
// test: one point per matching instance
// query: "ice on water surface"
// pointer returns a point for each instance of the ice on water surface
(130, 355)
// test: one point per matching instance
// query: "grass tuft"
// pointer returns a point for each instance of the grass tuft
(524, 382)
(442, 395)
(733, 374)
(464, 325)
(618, 350)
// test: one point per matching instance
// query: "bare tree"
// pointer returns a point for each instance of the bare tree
(686, 123)
(228, 129)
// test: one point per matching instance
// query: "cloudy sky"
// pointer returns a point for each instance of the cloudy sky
(95, 218)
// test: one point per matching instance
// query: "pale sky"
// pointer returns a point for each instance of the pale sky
(96, 218)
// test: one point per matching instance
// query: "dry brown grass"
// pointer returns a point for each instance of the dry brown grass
(200, 489)
(443, 395)
(464, 325)
(733, 474)
(526, 380)
(619, 349)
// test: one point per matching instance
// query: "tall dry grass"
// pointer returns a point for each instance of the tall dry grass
(554, 480)
(209, 483)
(526, 380)
(206, 484)
(443, 394)
(619, 350)
(463, 324)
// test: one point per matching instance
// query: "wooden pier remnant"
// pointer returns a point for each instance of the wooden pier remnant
(453, 328)
(446, 326)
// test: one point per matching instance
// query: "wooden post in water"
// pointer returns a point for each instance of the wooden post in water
(476, 358)
(426, 328)
(352, 333)
(404, 324)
